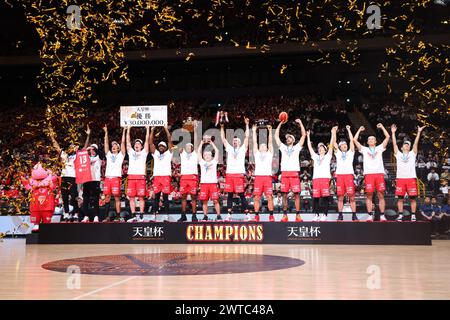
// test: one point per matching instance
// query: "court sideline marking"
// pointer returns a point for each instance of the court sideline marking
(104, 288)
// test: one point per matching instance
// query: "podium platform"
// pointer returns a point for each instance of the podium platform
(345, 233)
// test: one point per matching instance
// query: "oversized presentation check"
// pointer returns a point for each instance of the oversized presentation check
(141, 116)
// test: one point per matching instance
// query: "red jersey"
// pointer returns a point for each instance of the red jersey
(82, 167)
(42, 199)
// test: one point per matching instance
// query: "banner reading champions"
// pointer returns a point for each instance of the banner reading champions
(141, 116)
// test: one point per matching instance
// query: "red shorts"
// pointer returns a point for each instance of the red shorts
(136, 186)
(111, 186)
(345, 185)
(406, 186)
(374, 181)
(290, 181)
(263, 184)
(45, 216)
(234, 183)
(189, 184)
(321, 187)
(162, 184)
(208, 191)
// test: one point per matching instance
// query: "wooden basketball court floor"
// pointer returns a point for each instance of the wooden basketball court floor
(328, 272)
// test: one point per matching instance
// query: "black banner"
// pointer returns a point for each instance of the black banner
(375, 233)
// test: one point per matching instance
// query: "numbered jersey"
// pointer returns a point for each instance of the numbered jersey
(42, 199)
(83, 167)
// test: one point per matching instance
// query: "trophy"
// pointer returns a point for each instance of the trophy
(221, 117)
(188, 124)
(262, 123)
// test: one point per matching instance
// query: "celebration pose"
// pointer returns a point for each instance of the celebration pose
(69, 189)
(406, 182)
(290, 167)
(373, 168)
(321, 174)
(113, 174)
(208, 179)
(263, 172)
(345, 175)
(162, 170)
(189, 176)
(136, 184)
(234, 176)
(91, 187)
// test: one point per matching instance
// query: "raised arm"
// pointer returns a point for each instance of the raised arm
(247, 131)
(303, 131)
(222, 135)
(128, 138)
(386, 135)
(196, 142)
(356, 137)
(169, 138)
(123, 148)
(199, 150)
(394, 139)
(269, 141)
(147, 136)
(88, 134)
(151, 142)
(277, 133)
(216, 151)
(416, 141)
(51, 135)
(332, 139)
(106, 140)
(254, 140)
(310, 148)
(350, 136)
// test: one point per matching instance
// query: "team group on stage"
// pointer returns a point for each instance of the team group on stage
(199, 174)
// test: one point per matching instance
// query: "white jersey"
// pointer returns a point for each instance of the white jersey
(373, 159)
(290, 160)
(69, 164)
(96, 165)
(321, 165)
(235, 159)
(114, 164)
(137, 162)
(344, 162)
(189, 163)
(208, 171)
(406, 165)
(162, 163)
(263, 163)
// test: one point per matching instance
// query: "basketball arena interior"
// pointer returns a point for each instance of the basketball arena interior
(227, 152)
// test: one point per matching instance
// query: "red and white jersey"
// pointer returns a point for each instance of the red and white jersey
(321, 165)
(263, 163)
(235, 159)
(344, 162)
(162, 163)
(189, 163)
(137, 162)
(42, 199)
(83, 167)
(373, 159)
(208, 171)
(69, 164)
(114, 164)
(406, 165)
(290, 160)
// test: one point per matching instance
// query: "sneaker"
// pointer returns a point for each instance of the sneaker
(413, 217)
(354, 217)
(370, 218)
(247, 218)
(121, 219)
(66, 217)
(383, 218)
(323, 218)
(271, 218)
(205, 218)
(401, 218)
(132, 220)
(96, 219)
(75, 218)
(284, 218)
(316, 218)
(256, 218)
(340, 217)
(194, 218)
(219, 218)
(298, 218)
(183, 218)
(85, 220)
(228, 218)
